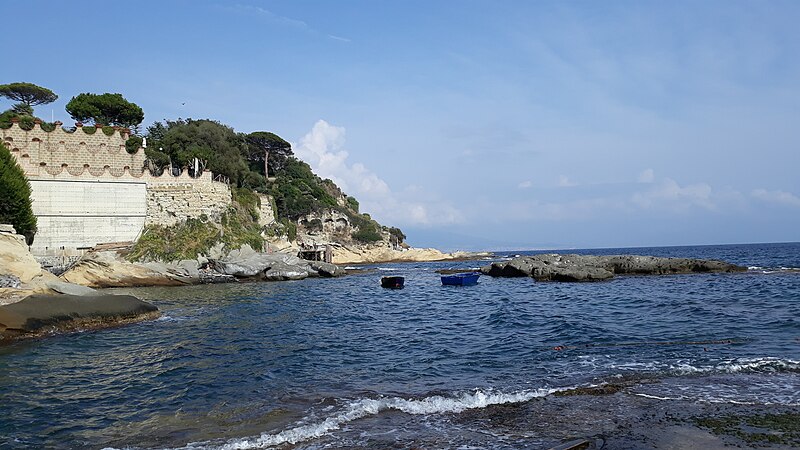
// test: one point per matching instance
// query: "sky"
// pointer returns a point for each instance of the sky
(472, 124)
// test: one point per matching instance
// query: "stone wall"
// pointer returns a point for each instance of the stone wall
(43, 153)
(88, 190)
(171, 202)
(266, 215)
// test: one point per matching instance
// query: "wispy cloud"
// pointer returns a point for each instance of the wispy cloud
(646, 176)
(285, 21)
(563, 181)
(525, 184)
(778, 197)
(322, 148)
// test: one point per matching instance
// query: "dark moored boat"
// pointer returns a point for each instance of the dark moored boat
(461, 279)
(393, 282)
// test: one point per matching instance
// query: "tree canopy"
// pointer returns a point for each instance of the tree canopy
(106, 109)
(15, 196)
(261, 142)
(217, 146)
(27, 93)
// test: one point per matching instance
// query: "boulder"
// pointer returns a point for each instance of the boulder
(109, 269)
(63, 287)
(326, 269)
(280, 271)
(39, 315)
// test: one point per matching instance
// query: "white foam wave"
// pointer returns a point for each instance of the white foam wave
(740, 365)
(369, 407)
(387, 269)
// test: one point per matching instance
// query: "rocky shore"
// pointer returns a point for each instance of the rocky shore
(41, 315)
(573, 268)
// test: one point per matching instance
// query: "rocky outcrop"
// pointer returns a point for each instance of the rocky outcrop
(103, 269)
(108, 269)
(554, 267)
(20, 273)
(247, 263)
(361, 254)
(40, 315)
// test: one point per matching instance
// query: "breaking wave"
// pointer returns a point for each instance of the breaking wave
(365, 407)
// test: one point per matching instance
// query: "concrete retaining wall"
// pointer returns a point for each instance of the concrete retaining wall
(80, 214)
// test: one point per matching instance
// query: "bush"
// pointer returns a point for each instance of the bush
(352, 203)
(367, 233)
(108, 131)
(133, 144)
(89, 129)
(15, 196)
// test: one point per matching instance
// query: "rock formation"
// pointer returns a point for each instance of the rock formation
(554, 267)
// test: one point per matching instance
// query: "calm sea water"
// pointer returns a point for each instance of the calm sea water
(342, 362)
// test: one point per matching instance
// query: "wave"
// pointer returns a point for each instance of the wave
(771, 270)
(365, 407)
(740, 365)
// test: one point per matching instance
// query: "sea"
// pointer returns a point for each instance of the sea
(344, 363)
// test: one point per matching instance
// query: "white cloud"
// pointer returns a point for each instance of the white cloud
(646, 176)
(525, 184)
(322, 149)
(563, 181)
(780, 197)
(669, 194)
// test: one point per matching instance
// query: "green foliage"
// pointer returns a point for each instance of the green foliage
(290, 228)
(367, 233)
(217, 146)
(352, 203)
(159, 159)
(297, 191)
(248, 200)
(23, 109)
(27, 93)
(47, 126)
(261, 142)
(15, 196)
(108, 131)
(26, 122)
(133, 144)
(186, 240)
(89, 129)
(397, 234)
(106, 109)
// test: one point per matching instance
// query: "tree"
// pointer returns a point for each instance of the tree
(15, 196)
(106, 109)
(27, 93)
(217, 145)
(261, 144)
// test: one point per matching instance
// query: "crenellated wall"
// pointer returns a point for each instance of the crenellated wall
(87, 189)
(43, 153)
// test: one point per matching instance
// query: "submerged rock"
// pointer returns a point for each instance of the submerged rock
(555, 267)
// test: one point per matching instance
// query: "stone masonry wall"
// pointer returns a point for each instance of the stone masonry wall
(171, 202)
(43, 153)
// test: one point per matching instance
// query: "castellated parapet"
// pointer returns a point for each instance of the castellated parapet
(43, 153)
(87, 189)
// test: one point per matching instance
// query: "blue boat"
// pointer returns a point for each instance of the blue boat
(461, 279)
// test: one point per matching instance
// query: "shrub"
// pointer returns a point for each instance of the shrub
(133, 144)
(367, 233)
(352, 203)
(108, 131)
(89, 129)
(15, 196)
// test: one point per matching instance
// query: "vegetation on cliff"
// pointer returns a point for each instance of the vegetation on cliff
(15, 196)
(193, 237)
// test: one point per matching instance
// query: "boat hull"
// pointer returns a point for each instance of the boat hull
(461, 279)
(393, 282)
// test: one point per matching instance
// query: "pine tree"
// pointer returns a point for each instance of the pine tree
(15, 196)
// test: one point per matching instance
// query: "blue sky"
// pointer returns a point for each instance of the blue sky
(473, 124)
